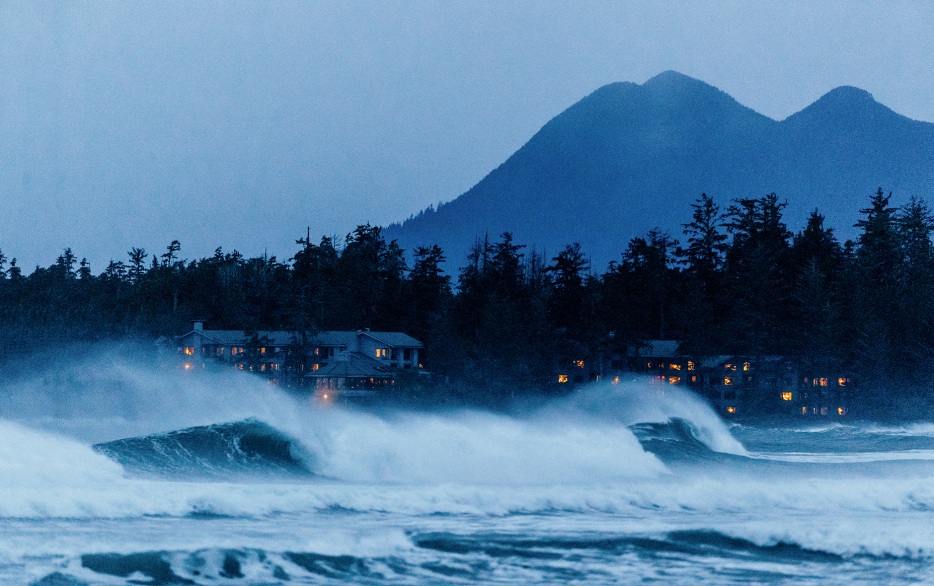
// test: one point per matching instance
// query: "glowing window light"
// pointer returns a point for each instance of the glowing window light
(578, 363)
(674, 366)
(787, 396)
(690, 365)
(673, 380)
(616, 380)
(841, 411)
(262, 350)
(823, 382)
(188, 366)
(745, 366)
(731, 410)
(315, 366)
(804, 411)
(842, 381)
(189, 351)
(562, 378)
(727, 381)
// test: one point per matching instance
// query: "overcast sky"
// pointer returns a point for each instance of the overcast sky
(238, 124)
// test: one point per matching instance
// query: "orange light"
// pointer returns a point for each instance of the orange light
(562, 378)
(787, 396)
(727, 381)
(731, 410)
(673, 380)
(616, 380)
(823, 382)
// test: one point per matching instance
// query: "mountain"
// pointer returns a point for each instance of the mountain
(628, 158)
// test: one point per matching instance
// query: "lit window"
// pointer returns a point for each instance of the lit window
(648, 365)
(188, 366)
(693, 378)
(616, 380)
(728, 366)
(262, 350)
(381, 352)
(842, 381)
(674, 366)
(823, 382)
(315, 366)
(787, 396)
(841, 411)
(562, 378)
(731, 410)
(745, 366)
(690, 365)
(262, 368)
(579, 363)
(804, 411)
(673, 380)
(189, 351)
(727, 381)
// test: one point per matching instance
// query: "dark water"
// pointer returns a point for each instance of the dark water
(617, 486)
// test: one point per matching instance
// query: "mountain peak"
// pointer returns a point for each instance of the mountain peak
(847, 95)
(845, 102)
(670, 79)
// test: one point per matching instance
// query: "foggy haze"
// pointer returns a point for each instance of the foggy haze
(239, 124)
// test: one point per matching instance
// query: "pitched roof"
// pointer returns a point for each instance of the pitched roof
(356, 366)
(239, 337)
(395, 339)
(658, 348)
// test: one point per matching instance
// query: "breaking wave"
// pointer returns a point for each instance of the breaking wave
(223, 450)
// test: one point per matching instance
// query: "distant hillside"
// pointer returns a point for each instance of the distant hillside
(631, 157)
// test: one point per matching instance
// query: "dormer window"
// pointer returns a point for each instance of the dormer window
(382, 352)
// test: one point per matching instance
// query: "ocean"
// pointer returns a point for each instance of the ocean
(115, 473)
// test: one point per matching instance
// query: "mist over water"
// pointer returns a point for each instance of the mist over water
(117, 470)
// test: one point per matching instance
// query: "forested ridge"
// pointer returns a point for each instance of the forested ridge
(735, 281)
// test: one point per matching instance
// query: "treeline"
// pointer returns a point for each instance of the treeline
(736, 281)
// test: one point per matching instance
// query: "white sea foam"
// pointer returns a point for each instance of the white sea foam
(575, 461)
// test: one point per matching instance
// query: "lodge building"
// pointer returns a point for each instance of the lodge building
(732, 384)
(327, 363)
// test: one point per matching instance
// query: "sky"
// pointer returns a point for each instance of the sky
(241, 124)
